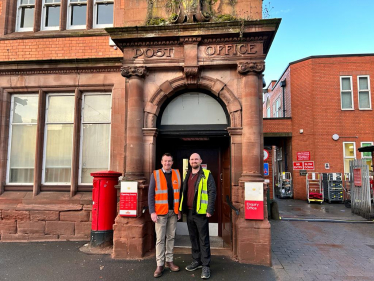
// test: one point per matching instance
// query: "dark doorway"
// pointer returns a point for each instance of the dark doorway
(215, 153)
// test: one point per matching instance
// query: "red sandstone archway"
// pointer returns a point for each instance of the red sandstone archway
(170, 87)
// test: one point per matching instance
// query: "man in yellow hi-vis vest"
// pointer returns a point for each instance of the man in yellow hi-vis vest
(163, 202)
(198, 196)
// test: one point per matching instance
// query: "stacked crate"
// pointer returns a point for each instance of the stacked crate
(333, 187)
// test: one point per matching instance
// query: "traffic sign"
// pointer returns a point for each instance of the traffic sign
(266, 169)
(266, 155)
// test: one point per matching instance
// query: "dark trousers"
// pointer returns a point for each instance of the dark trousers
(198, 228)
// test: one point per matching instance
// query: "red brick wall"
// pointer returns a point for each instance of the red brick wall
(57, 48)
(315, 86)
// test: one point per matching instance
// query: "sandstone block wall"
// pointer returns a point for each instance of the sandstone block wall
(59, 219)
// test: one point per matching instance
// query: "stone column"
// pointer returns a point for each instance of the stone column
(251, 239)
(132, 237)
(134, 123)
(251, 137)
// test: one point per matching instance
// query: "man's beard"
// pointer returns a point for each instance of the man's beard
(195, 166)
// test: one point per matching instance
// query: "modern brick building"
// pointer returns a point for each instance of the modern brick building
(321, 105)
(89, 85)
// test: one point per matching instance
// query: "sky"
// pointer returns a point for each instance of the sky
(318, 27)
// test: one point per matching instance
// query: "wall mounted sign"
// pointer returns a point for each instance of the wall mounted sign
(128, 203)
(298, 165)
(303, 156)
(254, 200)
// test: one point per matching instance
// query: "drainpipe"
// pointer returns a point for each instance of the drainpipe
(283, 85)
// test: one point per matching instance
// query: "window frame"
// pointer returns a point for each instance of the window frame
(43, 182)
(84, 94)
(351, 91)
(368, 90)
(348, 157)
(44, 14)
(7, 176)
(94, 13)
(18, 16)
(69, 13)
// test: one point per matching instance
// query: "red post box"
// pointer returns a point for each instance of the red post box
(104, 207)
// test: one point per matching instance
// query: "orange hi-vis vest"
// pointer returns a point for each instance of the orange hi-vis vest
(161, 191)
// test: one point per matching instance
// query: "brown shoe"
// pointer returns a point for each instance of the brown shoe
(172, 266)
(158, 271)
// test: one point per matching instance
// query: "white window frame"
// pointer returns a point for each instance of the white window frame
(18, 20)
(44, 14)
(348, 157)
(81, 132)
(368, 90)
(68, 21)
(94, 17)
(45, 139)
(362, 153)
(277, 107)
(10, 140)
(351, 91)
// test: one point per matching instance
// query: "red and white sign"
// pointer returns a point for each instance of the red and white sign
(254, 200)
(309, 165)
(303, 156)
(357, 177)
(298, 165)
(266, 155)
(128, 202)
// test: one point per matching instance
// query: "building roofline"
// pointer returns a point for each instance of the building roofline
(331, 56)
(319, 57)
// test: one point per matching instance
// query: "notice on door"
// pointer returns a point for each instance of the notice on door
(128, 203)
(254, 200)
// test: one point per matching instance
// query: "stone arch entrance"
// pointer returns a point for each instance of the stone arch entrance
(171, 87)
(215, 150)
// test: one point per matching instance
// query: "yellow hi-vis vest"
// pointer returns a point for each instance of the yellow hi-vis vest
(202, 195)
(161, 191)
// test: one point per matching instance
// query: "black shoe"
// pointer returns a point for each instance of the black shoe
(205, 273)
(193, 266)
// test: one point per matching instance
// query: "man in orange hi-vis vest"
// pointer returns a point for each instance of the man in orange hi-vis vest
(163, 202)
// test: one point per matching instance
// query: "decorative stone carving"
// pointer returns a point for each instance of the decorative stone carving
(190, 10)
(130, 71)
(246, 67)
(192, 74)
(190, 40)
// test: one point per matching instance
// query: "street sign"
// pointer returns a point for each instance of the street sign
(303, 156)
(309, 165)
(266, 155)
(298, 165)
(266, 169)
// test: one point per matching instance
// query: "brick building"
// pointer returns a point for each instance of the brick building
(91, 85)
(315, 99)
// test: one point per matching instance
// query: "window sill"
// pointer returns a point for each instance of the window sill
(55, 34)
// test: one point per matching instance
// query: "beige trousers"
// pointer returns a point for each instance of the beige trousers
(165, 233)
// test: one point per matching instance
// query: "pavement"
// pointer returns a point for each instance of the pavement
(321, 242)
(340, 247)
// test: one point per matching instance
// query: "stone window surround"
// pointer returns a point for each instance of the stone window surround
(11, 16)
(37, 186)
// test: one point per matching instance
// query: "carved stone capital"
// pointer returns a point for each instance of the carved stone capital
(190, 40)
(131, 71)
(251, 67)
(192, 74)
